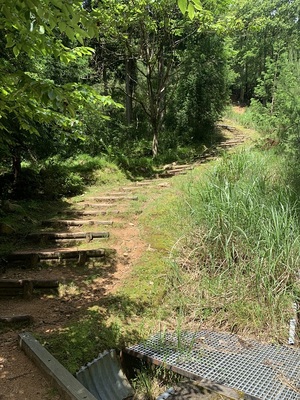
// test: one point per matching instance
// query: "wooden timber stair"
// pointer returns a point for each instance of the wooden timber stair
(35, 255)
(74, 222)
(26, 288)
(31, 258)
(79, 222)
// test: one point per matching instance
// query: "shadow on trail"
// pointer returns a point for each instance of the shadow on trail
(95, 328)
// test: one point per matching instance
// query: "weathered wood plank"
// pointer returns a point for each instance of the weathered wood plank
(25, 287)
(33, 257)
(112, 198)
(11, 283)
(37, 283)
(16, 319)
(96, 205)
(67, 235)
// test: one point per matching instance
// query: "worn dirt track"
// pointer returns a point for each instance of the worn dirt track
(20, 379)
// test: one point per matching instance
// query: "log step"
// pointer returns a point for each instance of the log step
(142, 183)
(75, 222)
(170, 173)
(177, 167)
(231, 143)
(112, 198)
(85, 213)
(88, 236)
(32, 257)
(16, 319)
(175, 171)
(26, 287)
(96, 205)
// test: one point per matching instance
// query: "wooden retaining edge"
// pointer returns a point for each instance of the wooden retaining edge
(96, 205)
(67, 385)
(25, 287)
(68, 235)
(84, 213)
(177, 170)
(112, 198)
(35, 256)
(17, 319)
(231, 143)
(177, 167)
(76, 222)
(64, 254)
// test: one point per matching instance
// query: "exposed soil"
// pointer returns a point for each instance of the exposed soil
(20, 379)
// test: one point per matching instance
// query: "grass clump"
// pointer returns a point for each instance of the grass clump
(238, 265)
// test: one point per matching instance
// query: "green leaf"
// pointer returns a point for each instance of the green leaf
(70, 33)
(197, 5)
(41, 29)
(62, 26)
(16, 51)
(191, 11)
(182, 4)
(10, 41)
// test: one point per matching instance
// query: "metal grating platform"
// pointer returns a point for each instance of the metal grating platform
(265, 372)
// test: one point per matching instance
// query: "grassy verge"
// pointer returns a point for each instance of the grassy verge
(237, 267)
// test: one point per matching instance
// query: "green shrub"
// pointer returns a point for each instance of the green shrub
(57, 181)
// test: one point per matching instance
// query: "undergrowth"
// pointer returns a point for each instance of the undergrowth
(237, 266)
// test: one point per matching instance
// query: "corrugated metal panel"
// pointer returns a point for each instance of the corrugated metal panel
(104, 378)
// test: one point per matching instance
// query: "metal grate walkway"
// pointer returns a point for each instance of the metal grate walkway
(265, 372)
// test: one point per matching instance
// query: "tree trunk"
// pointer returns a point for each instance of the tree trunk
(16, 165)
(155, 144)
(130, 81)
(128, 102)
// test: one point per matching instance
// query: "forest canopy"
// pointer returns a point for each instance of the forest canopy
(134, 79)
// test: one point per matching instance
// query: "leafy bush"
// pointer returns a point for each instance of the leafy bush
(57, 181)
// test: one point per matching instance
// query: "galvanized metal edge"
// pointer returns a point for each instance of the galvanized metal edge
(67, 385)
(205, 383)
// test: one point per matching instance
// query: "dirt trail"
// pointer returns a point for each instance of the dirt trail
(20, 379)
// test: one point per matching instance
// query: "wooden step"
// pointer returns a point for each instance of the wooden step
(88, 236)
(231, 143)
(86, 213)
(170, 173)
(143, 183)
(75, 222)
(33, 257)
(16, 319)
(88, 204)
(26, 287)
(112, 198)
(177, 170)
(177, 167)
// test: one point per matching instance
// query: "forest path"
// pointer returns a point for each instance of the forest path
(82, 287)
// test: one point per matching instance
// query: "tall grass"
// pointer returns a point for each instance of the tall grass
(239, 263)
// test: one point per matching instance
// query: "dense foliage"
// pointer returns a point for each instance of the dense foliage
(129, 80)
